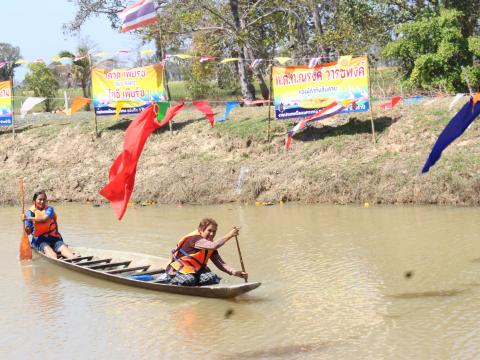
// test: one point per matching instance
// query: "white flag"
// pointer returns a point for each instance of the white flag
(455, 100)
(29, 103)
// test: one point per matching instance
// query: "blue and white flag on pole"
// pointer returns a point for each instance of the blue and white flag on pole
(229, 106)
(137, 15)
(453, 130)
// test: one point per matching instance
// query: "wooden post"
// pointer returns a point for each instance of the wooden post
(370, 100)
(91, 95)
(270, 97)
(167, 91)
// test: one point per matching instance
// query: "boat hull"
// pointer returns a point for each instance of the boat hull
(146, 264)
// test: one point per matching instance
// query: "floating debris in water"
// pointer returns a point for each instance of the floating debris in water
(228, 313)
(408, 274)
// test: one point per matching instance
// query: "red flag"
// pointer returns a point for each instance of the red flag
(171, 112)
(122, 173)
(206, 109)
(389, 105)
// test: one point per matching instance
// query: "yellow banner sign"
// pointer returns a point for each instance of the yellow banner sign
(142, 86)
(301, 91)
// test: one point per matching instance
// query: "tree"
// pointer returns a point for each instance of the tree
(8, 54)
(41, 81)
(80, 70)
(432, 52)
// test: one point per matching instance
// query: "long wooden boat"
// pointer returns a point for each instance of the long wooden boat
(140, 270)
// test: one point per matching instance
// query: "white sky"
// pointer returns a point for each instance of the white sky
(35, 26)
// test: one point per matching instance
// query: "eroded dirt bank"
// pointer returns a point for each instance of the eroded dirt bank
(336, 162)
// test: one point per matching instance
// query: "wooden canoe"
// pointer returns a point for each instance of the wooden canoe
(121, 267)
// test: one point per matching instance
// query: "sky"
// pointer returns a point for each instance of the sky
(35, 26)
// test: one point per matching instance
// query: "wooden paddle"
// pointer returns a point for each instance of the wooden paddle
(240, 255)
(25, 249)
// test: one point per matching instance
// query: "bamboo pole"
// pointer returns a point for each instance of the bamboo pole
(91, 95)
(12, 104)
(370, 100)
(270, 97)
(167, 90)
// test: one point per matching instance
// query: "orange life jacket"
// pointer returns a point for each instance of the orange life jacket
(189, 263)
(48, 227)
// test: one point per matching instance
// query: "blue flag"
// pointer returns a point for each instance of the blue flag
(412, 99)
(230, 105)
(453, 130)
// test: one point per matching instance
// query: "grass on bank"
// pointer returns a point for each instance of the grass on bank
(333, 161)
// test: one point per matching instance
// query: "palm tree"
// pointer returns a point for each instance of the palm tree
(80, 70)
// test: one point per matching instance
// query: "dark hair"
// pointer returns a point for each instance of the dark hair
(38, 193)
(205, 223)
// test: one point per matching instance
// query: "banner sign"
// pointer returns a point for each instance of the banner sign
(301, 91)
(136, 88)
(6, 116)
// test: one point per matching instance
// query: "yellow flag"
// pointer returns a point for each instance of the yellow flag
(121, 104)
(147, 52)
(183, 56)
(282, 60)
(103, 53)
(227, 60)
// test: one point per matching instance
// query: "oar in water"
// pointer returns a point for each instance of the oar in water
(25, 249)
(240, 255)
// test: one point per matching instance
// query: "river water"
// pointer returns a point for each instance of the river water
(339, 282)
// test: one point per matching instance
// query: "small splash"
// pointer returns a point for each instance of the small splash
(241, 179)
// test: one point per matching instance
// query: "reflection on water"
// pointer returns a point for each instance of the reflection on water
(337, 283)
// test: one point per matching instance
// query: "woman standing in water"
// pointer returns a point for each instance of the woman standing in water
(40, 221)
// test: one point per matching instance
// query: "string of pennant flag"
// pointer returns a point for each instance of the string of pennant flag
(253, 62)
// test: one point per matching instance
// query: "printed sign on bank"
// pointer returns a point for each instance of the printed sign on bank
(136, 88)
(301, 91)
(6, 116)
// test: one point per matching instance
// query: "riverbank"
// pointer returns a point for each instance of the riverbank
(335, 162)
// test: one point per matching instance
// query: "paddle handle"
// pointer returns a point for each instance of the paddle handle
(240, 255)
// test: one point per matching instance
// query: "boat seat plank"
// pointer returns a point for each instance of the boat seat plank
(93, 262)
(136, 268)
(153, 272)
(110, 265)
(77, 259)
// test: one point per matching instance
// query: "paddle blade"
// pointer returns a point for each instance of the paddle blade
(25, 249)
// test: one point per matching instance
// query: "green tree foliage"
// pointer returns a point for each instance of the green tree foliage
(41, 81)
(432, 51)
(8, 54)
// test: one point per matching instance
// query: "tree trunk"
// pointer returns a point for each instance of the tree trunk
(263, 86)
(246, 87)
(317, 23)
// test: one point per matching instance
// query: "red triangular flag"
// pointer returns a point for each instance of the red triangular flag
(389, 105)
(206, 109)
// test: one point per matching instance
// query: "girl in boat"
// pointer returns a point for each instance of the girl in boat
(188, 266)
(40, 221)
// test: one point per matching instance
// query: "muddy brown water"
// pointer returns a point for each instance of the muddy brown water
(338, 283)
